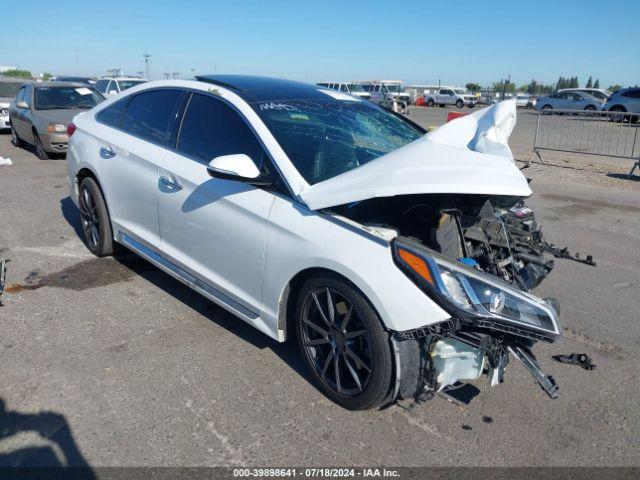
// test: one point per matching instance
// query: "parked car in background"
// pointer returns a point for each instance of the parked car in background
(8, 90)
(451, 96)
(623, 100)
(323, 219)
(385, 92)
(599, 93)
(40, 113)
(569, 100)
(85, 80)
(525, 101)
(114, 85)
(351, 88)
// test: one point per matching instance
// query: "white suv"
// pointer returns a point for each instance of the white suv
(314, 215)
(351, 88)
(451, 96)
(114, 85)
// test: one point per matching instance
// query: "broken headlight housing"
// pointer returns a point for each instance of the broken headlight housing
(467, 293)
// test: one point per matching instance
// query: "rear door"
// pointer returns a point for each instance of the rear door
(213, 228)
(633, 97)
(130, 153)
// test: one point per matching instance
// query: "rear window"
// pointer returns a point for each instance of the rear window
(149, 114)
(112, 114)
(66, 98)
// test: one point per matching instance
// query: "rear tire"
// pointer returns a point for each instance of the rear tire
(342, 343)
(546, 109)
(96, 224)
(40, 151)
(16, 141)
(590, 108)
(459, 104)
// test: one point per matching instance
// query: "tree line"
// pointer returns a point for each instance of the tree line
(536, 88)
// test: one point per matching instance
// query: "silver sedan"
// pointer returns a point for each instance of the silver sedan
(569, 100)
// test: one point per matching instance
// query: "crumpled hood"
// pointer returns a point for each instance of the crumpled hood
(468, 155)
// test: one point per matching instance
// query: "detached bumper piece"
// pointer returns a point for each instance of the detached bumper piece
(547, 382)
(580, 359)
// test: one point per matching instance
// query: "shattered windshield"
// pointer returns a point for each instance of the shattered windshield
(326, 138)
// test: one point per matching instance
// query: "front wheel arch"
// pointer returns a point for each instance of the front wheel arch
(289, 298)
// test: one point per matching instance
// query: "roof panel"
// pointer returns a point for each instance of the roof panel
(264, 89)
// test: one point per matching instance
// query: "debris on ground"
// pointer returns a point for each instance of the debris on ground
(3, 276)
(5, 161)
(581, 359)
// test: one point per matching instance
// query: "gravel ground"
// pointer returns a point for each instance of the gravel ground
(110, 362)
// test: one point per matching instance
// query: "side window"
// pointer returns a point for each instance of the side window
(211, 128)
(633, 93)
(101, 86)
(20, 95)
(113, 85)
(344, 88)
(149, 114)
(112, 114)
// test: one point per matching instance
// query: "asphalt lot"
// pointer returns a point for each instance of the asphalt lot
(110, 362)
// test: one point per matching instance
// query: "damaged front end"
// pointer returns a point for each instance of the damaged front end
(477, 257)
(453, 204)
(491, 318)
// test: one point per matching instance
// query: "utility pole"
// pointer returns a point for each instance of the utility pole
(147, 61)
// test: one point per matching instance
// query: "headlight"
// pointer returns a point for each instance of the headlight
(57, 128)
(464, 290)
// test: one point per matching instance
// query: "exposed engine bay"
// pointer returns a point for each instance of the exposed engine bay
(499, 235)
(494, 235)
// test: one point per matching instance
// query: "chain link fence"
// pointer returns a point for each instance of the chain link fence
(609, 134)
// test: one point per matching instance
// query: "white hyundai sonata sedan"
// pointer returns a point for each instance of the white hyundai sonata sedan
(399, 260)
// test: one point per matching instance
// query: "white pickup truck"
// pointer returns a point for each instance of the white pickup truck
(451, 96)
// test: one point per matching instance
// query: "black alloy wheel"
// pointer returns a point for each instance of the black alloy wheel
(94, 216)
(343, 344)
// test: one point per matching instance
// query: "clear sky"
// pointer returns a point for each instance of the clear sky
(417, 42)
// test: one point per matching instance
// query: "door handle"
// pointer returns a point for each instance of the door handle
(107, 152)
(172, 183)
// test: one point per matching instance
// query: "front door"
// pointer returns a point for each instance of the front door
(215, 229)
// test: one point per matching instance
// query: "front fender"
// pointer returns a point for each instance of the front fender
(300, 239)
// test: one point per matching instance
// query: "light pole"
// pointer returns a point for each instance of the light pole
(147, 61)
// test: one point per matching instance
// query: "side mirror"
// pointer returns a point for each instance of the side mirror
(22, 104)
(113, 92)
(237, 167)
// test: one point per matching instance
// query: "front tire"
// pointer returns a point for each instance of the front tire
(40, 151)
(430, 102)
(16, 141)
(96, 224)
(343, 344)
(459, 104)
